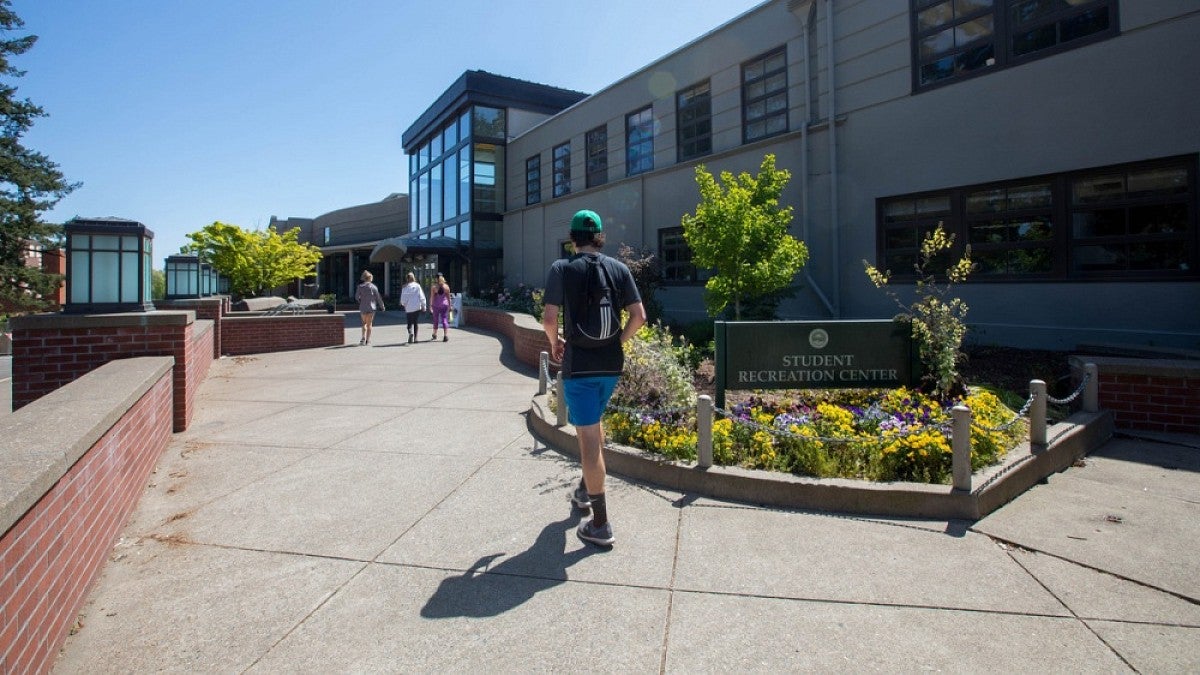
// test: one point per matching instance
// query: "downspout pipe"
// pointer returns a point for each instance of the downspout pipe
(833, 165)
(804, 197)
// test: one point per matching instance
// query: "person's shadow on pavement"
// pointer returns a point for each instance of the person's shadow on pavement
(512, 582)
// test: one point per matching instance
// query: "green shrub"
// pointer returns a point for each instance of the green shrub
(936, 317)
(655, 375)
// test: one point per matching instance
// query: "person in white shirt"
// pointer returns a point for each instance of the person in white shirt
(413, 300)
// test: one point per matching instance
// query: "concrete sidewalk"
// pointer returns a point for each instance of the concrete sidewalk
(385, 509)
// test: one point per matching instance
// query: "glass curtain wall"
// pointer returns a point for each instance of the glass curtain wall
(456, 189)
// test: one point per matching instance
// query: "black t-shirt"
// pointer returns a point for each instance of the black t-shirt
(565, 288)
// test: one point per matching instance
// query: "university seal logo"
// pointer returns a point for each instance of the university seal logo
(818, 338)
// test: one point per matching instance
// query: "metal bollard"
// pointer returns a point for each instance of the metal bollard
(704, 440)
(1037, 413)
(1091, 390)
(543, 372)
(560, 413)
(960, 439)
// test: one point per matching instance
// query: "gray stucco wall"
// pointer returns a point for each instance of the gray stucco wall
(1125, 99)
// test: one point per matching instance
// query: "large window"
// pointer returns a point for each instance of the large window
(693, 124)
(464, 180)
(562, 169)
(639, 141)
(1121, 222)
(488, 123)
(423, 201)
(954, 39)
(450, 186)
(597, 156)
(440, 178)
(764, 96)
(676, 256)
(533, 179)
(435, 194)
(488, 178)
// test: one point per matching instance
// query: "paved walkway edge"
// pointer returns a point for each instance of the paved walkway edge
(1072, 439)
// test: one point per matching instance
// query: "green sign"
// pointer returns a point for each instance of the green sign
(812, 355)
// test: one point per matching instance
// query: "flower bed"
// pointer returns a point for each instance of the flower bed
(879, 435)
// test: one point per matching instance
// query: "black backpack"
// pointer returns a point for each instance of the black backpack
(598, 323)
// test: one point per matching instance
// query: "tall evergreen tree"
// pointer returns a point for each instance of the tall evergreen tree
(30, 184)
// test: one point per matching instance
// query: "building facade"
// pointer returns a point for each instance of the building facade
(1058, 139)
(347, 237)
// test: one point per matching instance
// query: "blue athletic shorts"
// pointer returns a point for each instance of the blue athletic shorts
(587, 397)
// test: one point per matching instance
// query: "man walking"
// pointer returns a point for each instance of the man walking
(583, 287)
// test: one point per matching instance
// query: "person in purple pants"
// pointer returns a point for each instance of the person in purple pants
(439, 304)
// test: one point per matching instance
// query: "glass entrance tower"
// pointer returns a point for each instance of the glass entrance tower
(456, 171)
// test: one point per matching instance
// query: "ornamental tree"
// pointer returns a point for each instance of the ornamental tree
(254, 261)
(740, 231)
(30, 184)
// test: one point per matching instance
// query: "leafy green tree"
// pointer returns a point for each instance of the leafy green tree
(158, 284)
(30, 184)
(741, 232)
(937, 317)
(254, 261)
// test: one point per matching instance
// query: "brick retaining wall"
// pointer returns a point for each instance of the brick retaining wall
(70, 485)
(528, 338)
(257, 333)
(1160, 395)
(53, 350)
(211, 309)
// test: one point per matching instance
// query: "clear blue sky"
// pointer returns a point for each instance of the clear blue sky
(176, 113)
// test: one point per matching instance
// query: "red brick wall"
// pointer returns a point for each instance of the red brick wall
(53, 353)
(187, 379)
(528, 338)
(1152, 402)
(51, 556)
(211, 309)
(256, 334)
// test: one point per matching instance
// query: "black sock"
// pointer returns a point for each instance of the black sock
(599, 510)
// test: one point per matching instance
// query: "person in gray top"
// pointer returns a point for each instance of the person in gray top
(369, 302)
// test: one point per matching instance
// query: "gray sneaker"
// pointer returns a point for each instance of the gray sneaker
(580, 498)
(601, 536)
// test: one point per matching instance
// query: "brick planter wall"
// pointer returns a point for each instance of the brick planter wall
(53, 350)
(257, 333)
(211, 309)
(528, 338)
(72, 483)
(1160, 395)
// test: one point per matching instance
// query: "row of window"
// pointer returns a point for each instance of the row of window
(955, 39)
(1126, 221)
(764, 114)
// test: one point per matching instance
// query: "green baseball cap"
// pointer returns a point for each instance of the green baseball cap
(586, 221)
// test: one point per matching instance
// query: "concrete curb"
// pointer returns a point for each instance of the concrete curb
(1073, 439)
